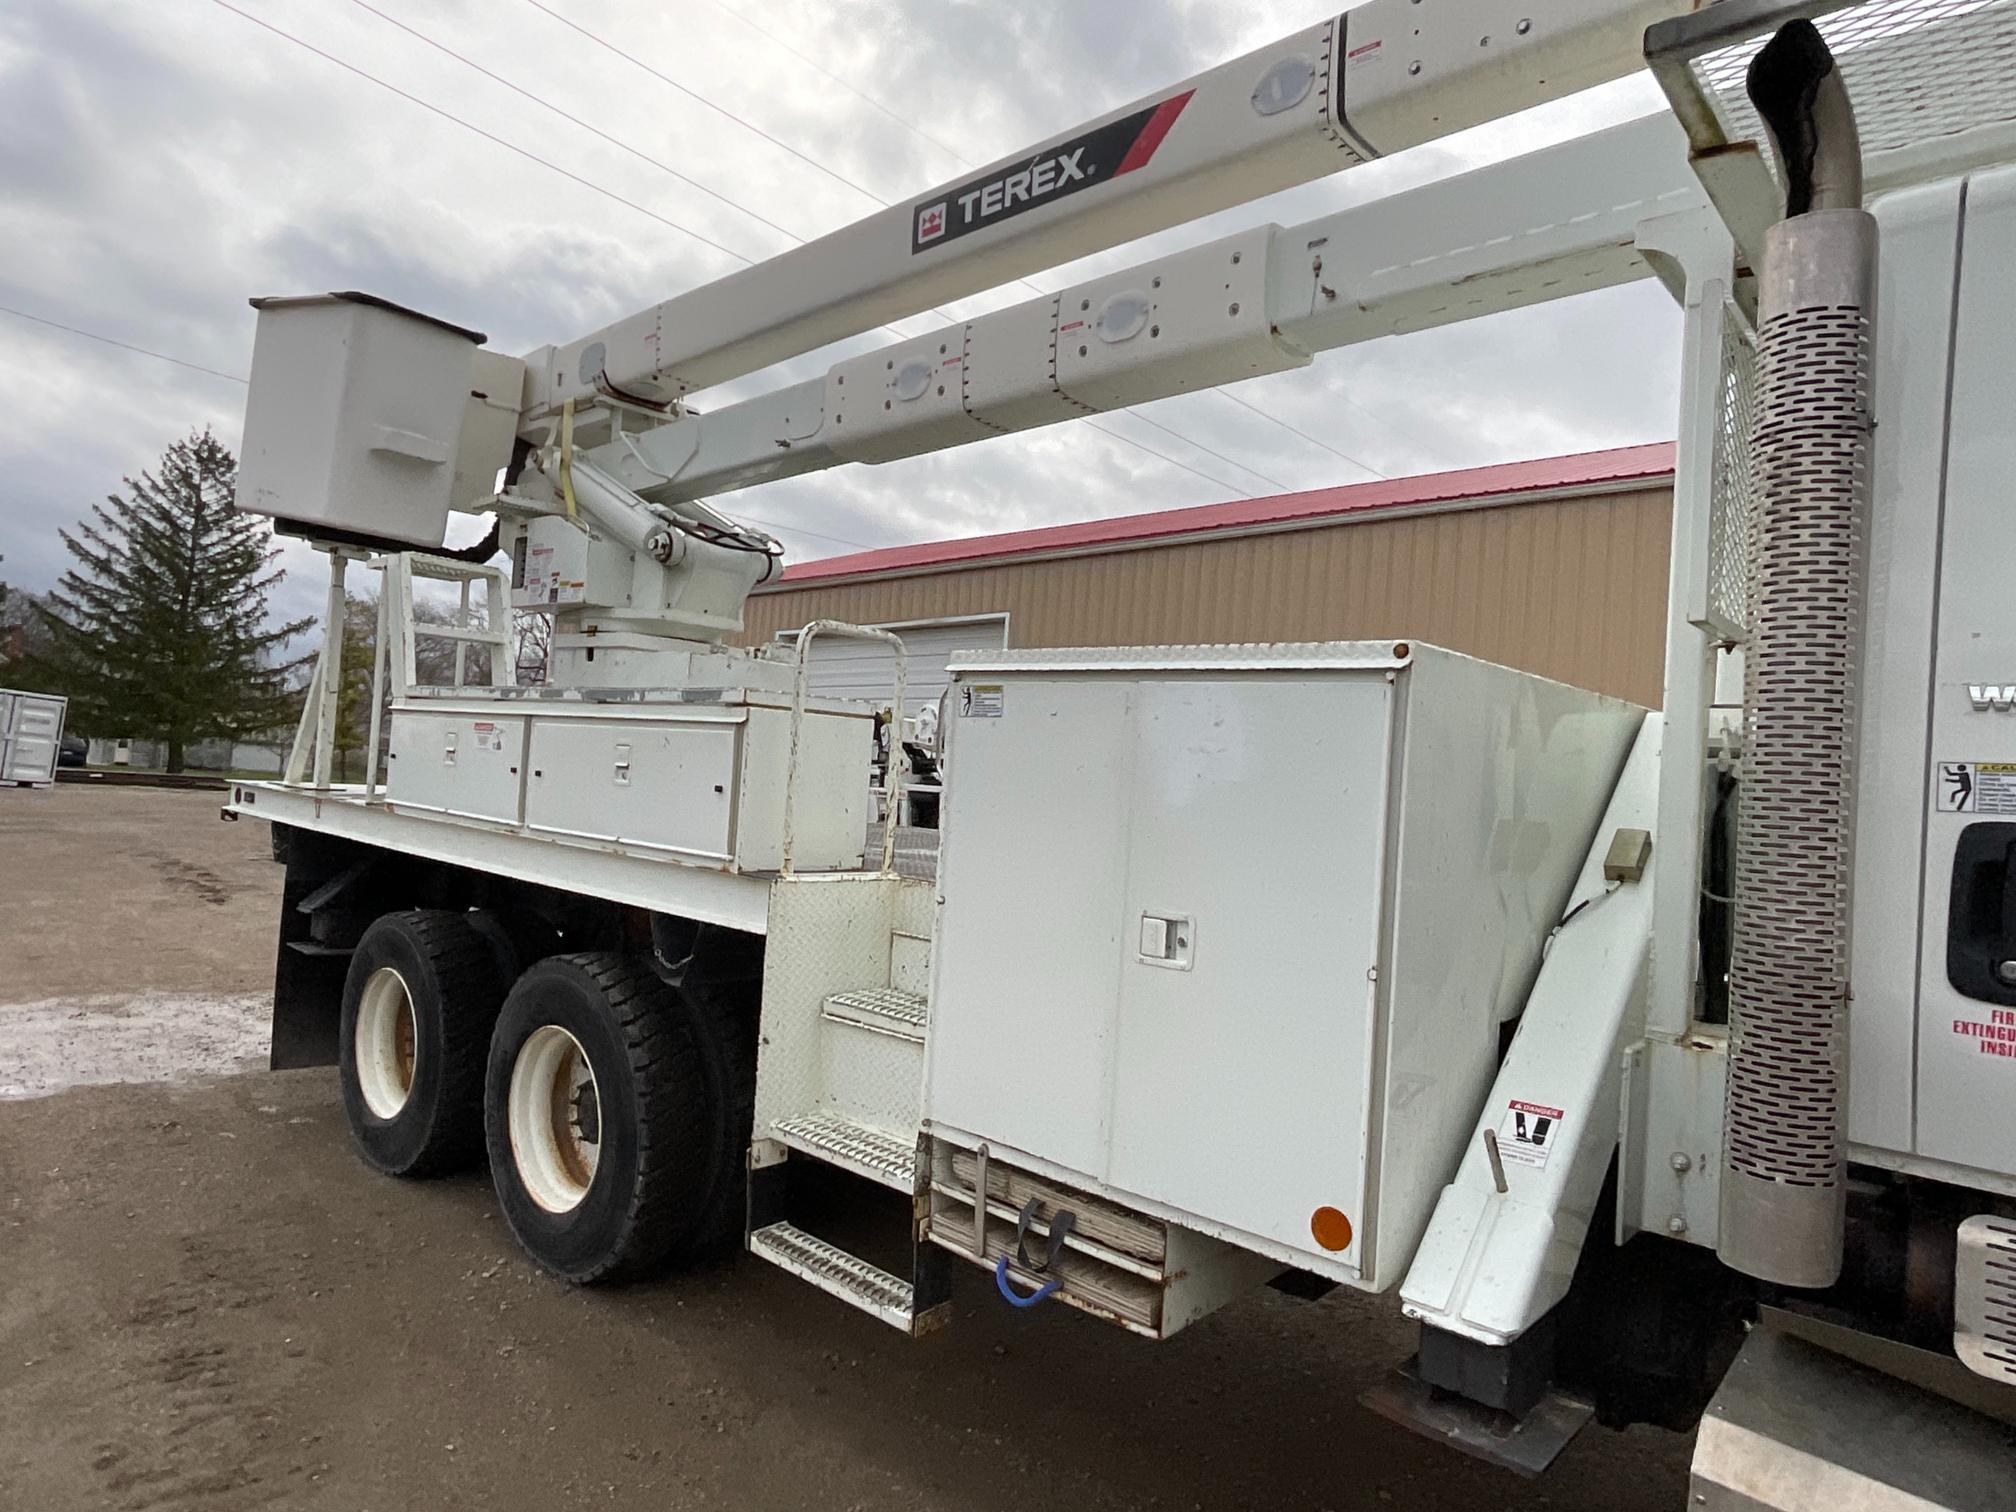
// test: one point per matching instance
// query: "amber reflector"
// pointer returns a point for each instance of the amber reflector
(1331, 1228)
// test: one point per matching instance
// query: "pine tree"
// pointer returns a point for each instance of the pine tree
(160, 629)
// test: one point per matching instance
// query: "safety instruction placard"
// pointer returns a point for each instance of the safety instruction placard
(546, 583)
(1976, 787)
(981, 700)
(1528, 1132)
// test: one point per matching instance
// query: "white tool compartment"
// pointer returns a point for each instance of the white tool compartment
(647, 783)
(465, 765)
(701, 781)
(31, 736)
(1229, 933)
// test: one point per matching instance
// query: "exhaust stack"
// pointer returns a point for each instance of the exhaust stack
(1784, 1147)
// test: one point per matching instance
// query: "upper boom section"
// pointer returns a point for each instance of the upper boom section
(1386, 75)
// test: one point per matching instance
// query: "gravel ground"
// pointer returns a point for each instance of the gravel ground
(206, 1302)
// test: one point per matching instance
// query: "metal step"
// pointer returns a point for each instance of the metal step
(865, 1151)
(831, 1269)
(881, 1010)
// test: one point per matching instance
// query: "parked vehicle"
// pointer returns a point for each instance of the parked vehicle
(1361, 964)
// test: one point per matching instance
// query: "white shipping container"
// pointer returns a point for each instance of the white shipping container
(31, 737)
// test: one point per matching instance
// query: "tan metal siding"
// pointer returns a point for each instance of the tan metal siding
(1573, 589)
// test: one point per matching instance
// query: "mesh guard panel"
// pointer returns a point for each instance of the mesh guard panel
(1918, 70)
(1783, 1152)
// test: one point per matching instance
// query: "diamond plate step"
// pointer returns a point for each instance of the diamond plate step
(831, 1269)
(881, 1010)
(852, 1147)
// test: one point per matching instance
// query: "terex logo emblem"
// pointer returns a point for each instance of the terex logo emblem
(1986, 696)
(1090, 158)
(1040, 181)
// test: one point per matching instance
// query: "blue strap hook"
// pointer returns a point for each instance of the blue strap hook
(1060, 1229)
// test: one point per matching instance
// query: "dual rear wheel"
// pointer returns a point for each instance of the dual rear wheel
(614, 1107)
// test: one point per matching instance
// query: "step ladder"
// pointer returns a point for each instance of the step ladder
(394, 669)
(400, 631)
(862, 1085)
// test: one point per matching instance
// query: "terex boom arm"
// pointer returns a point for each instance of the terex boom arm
(1386, 75)
(1556, 222)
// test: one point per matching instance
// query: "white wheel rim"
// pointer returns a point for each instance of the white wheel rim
(387, 1043)
(555, 1119)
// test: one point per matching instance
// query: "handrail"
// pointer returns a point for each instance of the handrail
(894, 786)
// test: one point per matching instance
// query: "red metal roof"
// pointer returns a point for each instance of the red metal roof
(1623, 465)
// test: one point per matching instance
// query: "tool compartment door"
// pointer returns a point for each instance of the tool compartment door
(1255, 853)
(1028, 952)
(663, 786)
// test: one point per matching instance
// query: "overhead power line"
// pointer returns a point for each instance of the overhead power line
(124, 346)
(488, 136)
(610, 137)
(1192, 441)
(818, 535)
(1335, 451)
(813, 63)
(695, 95)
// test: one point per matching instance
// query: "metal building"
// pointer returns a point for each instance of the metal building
(1556, 567)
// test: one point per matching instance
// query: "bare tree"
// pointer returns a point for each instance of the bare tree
(532, 640)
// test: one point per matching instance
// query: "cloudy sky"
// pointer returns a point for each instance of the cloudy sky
(161, 160)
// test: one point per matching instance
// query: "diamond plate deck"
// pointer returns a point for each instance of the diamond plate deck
(831, 1269)
(869, 1152)
(881, 1010)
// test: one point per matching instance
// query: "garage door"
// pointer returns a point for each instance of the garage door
(848, 668)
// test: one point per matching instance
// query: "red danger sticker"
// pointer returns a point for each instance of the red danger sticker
(1528, 1132)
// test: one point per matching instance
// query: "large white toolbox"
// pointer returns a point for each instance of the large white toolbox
(1229, 934)
(700, 781)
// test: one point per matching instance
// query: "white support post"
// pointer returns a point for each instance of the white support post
(330, 671)
(406, 671)
(304, 728)
(1694, 255)
(380, 652)
(1672, 1077)
(462, 646)
(504, 656)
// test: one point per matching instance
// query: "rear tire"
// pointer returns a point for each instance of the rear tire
(419, 1001)
(611, 1112)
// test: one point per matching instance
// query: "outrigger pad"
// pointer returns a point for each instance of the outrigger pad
(1524, 1445)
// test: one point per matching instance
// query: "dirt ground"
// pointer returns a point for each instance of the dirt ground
(207, 1303)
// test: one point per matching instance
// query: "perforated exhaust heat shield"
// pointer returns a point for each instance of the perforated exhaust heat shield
(1783, 1191)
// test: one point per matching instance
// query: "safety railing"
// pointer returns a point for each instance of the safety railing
(893, 786)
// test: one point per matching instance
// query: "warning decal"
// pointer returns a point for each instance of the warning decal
(544, 583)
(1528, 1132)
(1976, 787)
(488, 736)
(1995, 1037)
(981, 700)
